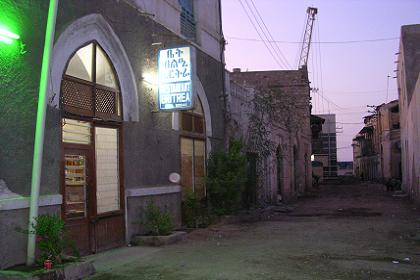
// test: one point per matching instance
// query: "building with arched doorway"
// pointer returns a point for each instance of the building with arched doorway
(108, 149)
(284, 169)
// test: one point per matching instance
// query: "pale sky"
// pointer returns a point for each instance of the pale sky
(349, 75)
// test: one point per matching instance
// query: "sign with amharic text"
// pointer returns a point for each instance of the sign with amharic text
(175, 79)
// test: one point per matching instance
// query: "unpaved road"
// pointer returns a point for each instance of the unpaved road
(342, 232)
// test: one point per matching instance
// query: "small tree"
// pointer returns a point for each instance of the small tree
(51, 238)
(158, 222)
(226, 176)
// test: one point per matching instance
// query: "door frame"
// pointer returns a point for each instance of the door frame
(90, 177)
(92, 217)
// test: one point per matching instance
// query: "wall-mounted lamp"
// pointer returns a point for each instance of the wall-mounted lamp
(150, 78)
(7, 36)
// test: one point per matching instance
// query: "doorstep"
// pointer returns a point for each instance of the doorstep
(160, 240)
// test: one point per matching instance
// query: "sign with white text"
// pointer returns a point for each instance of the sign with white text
(175, 79)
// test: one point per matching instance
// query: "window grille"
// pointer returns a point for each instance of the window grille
(188, 24)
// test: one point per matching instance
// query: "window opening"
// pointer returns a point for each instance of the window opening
(188, 24)
(89, 87)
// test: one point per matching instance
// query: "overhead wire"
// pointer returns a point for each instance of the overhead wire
(301, 40)
(313, 88)
(319, 42)
(280, 53)
(381, 91)
(316, 70)
(320, 66)
(259, 35)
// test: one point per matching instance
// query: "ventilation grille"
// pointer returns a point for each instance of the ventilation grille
(105, 102)
(77, 98)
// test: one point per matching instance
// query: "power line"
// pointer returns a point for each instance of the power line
(259, 35)
(344, 147)
(317, 42)
(351, 123)
(320, 67)
(329, 101)
(362, 91)
(264, 33)
(281, 55)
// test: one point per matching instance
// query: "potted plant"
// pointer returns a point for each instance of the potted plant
(159, 227)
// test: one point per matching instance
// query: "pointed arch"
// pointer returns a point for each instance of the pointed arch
(94, 28)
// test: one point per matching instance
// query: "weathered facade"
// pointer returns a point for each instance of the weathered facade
(390, 140)
(409, 107)
(366, 162)
(376, 148)
(108, 150)
(286, 168)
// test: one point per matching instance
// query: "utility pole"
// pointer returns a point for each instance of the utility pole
(40, 128)
(307, 37)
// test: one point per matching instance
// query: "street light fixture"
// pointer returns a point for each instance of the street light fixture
(40, 128)
(7, 36)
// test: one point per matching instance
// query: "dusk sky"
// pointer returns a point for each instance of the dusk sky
(348, 74)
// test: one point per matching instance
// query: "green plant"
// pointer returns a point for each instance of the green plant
(226, 176)
(158, 222)
(190, 207)
(51, 237)
(194, 210)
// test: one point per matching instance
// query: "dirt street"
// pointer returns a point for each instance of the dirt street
(341, 232)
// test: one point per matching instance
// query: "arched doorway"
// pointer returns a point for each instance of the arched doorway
(295, 187)
(92, 188)
(280, 173)
(306, 175)
(193, 149)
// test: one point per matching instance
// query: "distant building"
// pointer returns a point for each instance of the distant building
(388, 130)
(376, 148)
(325, 147)
(345, 168)
(288, 169)
(409, 106)
(317, 166)
(365, 151)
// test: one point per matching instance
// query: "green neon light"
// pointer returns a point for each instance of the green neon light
(6, 40)
(8, 34)
(40, 127)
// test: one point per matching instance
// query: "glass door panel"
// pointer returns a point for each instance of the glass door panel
(187, 163)
(75, 185)
(199, 167)
(107, 170)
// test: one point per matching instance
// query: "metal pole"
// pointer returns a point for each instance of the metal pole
(40, 128)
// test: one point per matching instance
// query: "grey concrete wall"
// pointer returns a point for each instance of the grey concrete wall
(13, 243)
(19, 83)
(210, 73)
(151, 147)
(136, 210)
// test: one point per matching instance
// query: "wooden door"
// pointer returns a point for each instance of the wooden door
(77, 187)
(108, 224)
(93, 206)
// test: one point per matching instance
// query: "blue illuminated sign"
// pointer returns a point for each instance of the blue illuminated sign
(175, 79)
